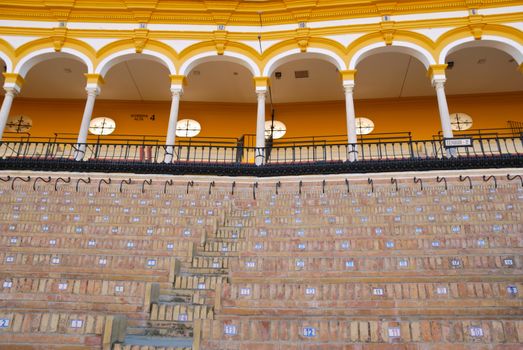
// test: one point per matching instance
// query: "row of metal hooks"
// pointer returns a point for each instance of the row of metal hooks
(212, 184)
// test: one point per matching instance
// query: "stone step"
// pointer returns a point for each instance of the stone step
(198, 282)
(168, 343)
(174, 329)
(180, 312)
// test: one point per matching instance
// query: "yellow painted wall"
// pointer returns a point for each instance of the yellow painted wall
(418, 115)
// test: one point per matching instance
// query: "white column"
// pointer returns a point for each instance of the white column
(351, 121)
(260, 128)
(92, 92)
(439, 85)
(9, 96)
(173, 119)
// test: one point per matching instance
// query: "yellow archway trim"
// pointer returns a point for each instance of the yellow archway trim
(210, 46)
(49, 42)
(8, 50)
(126, 44)
(488, 29)
(312, 42)
(397, 35)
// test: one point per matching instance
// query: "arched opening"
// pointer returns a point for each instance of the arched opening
(485, 90)
(307, 93)
(220, 95)
(394, 92)
(51, 98)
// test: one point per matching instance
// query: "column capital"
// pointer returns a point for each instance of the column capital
(94, 80)
(14, 82)
(348, 79)
(176, 91)
(437, 72)
(93, 91)
(178, 80)
(438, 83)
(261, 84)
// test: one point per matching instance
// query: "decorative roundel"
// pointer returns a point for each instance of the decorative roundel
(460, 121)
(278, 131)
(188, 128)
(19, 123)
(102, 126)
(364, 126)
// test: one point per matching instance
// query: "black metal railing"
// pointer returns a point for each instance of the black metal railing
(395, 154)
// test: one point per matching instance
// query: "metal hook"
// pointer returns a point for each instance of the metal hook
(463, 178)
(40, 178)
(371, 183)
(104, 181)
(439, 179)
(233, 186)
(19, 178)
(301, 185)
(61, 179)
(88, 181)
(189, 183)
(254, 187)
(149, 182)
(6, 179)
(167, 182)
(278, 185)
(323, 186)
(347, 184)
(211, 185)
(420, 181)
(121, 184)
(511, 178)
(491, 177)
(394, 182)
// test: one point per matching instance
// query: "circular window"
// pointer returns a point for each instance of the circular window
(19, 123)
(102, 126)
(188, 128)
(460, 121)
(364, 126)
(278, 129)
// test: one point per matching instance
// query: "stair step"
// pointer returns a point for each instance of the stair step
(172, 329)
(168, 342)
(180, 312)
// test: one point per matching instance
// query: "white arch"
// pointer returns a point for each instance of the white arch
(397, 46)
(509, 46)
(211, 56)
(124, 55)
(30, 60)
(293, 54)
(7, 61)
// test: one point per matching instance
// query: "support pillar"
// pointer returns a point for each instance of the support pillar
(352, 138)
(262, 84)
(438, 78)
(94, 81)
(12, 86)
(177, 82)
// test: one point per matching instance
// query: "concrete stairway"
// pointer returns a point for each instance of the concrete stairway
(175, 312)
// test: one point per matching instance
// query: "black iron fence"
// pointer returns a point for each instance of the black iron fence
(117, 156)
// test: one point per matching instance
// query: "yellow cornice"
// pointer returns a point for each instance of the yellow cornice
(227, 12)
(276, 35)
